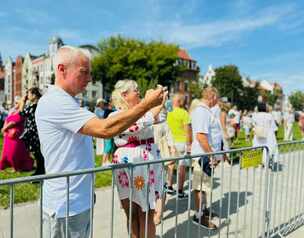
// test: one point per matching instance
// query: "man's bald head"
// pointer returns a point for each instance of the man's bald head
(210, 95)
(68, 55)
(73, 69)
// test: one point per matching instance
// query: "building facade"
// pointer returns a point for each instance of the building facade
(189, 74)
(39, 71)
(17, 82)
(8, 82)
(2, 78)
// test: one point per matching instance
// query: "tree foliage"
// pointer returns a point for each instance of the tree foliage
(149, 63)
(272, 97)
(297, 100)
(228, 82)
(249, 98)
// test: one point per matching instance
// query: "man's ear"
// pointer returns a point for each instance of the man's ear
(60, 68)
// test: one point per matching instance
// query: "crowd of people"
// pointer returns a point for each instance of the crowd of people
(57, 131)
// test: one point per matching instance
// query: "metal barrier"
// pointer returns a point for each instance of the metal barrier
(286, 189)
(242, 193)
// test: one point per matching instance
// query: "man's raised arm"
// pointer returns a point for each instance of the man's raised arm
(111, 126)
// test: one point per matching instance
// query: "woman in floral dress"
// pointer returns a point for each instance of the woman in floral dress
(134, 145)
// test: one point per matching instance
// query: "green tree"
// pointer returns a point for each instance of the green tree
(229, 83)
(297, 100)
(145, 84)
(149, 63)
(272, 97)
(249, 98)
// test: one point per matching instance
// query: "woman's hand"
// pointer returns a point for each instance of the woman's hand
(3, 130)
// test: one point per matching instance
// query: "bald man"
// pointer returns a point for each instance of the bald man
(202, 122)
(65, 131)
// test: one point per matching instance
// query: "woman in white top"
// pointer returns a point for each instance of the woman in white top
(265, 128)
(136, 144)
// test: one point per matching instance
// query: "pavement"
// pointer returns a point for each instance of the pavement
(244, 210)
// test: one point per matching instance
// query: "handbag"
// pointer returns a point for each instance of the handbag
(260, 132)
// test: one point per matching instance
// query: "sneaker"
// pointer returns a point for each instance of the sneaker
(204, 223)
(169, 190)
(183, 195)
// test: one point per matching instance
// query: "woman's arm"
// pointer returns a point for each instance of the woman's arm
(223, 119)
(8, 126)
(22, 104)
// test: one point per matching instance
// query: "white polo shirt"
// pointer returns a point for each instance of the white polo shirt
(59, 118)
(201, 123)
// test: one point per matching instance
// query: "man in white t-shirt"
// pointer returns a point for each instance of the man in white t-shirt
(201, 121)
(65, 131)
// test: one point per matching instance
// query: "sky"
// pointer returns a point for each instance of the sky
(263, 38)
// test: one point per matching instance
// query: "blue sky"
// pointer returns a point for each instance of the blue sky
(264, 38)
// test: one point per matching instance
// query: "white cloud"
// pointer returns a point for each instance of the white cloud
(291, 58)
(211, 34)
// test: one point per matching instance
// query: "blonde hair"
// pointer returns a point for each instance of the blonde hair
(121, 87)
(195, 102)
(180, 97)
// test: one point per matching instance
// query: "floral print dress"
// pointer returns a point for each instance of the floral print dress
(134, 145)
(30, 133)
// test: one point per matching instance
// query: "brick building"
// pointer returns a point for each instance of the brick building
(17, 82)
(190, 73)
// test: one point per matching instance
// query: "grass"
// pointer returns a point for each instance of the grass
(30, 192)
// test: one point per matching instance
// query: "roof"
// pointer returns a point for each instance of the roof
(183, 54)
(266, 85)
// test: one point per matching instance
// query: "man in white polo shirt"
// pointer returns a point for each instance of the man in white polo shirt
(65, 131)
(201, 122)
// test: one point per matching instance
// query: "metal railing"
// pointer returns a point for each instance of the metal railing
(245, 194)
(286, 189)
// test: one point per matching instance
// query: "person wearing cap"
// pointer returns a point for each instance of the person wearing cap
(65, 131)
(99, 108)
